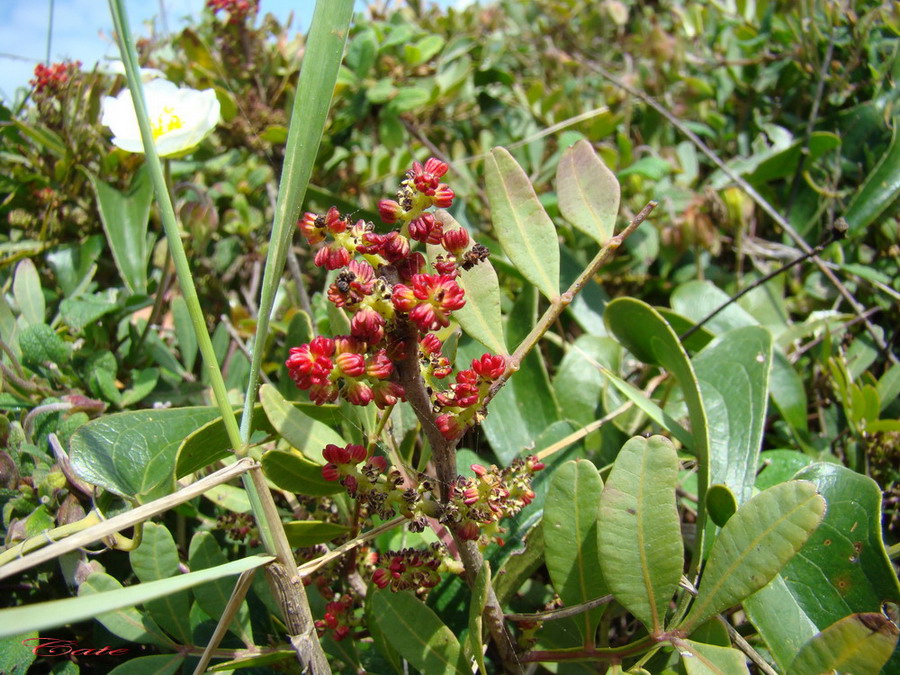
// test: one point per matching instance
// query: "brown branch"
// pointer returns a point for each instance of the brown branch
(563, 612)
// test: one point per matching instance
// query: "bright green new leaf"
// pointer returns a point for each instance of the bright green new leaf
(571, 524)
(45, 615)
(733, 372)
(754, 545)
(703, 659)
(859, 643)
(229, 497)
(125, 217)
(417, 633)
(480, 317)
(304, 533)
(721, 503)
(133, 453)
(155, 664)
(299, 429)
(639, 534)
(588, 192)
(295, 473)
(126, 622)
(523, 227)
(476, 613)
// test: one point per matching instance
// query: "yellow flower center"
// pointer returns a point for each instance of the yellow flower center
(165, 122)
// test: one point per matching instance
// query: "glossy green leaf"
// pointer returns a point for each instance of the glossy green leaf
(133, 453)
(26, 289)
(571, 523)
(204, 553)
(127, 622)
(523, 227)
(480, 317)
(859, 643)
(754, 545)
(304, 533)
(16, 655)
(639, 535)
(229, 497)
(880, 190)
(209, 443)
(44, 615)
(255, 661)
(476, 610)
(842, 569)
(417, 633)
(384, 647)
(784, 163)
(696, 299)
(125, 216)
(295, 473)
(298, 428)
(778, 466)
(588, 192)
(733, 372)
(520, 565)
(155, 664)
(703, 659)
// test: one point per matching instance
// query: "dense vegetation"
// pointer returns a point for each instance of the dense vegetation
(759, 445)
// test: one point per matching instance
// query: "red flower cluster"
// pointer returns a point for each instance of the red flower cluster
(343, 366)
(463, 399)
(238, 10)
(339, 618)
(429, 300)
(410, 569)
(420, 190)
(50, 79)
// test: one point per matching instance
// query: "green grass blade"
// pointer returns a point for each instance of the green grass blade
(324, 48)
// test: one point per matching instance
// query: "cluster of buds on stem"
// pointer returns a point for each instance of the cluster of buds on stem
(49, 80)
(461, 403)
(340, 618)
(413, 569)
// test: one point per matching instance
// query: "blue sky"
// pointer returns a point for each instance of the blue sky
(82, 30)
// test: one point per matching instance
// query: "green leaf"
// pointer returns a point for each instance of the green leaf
(754, 545)
(40, 345)
(74, 265)
(647, 335)
(859, 643)
(880, 190)
(733, 372)
(133, 453)
(157, 558)
(125, 217)
(44, 615)
(229, 497)
(295, 473)
(785, 162)
(570, 526)
(639, 535)
(255, 661)
(588, 192)
(213, 597)
(304, 533)
(296, 426)
(480, 317)
(156, 664)
(417, 633)
(126, 622)
(422, 51)
(779, 466)
(721, 503)
(842, 569)
(83, 310)
(704, 659)
(42, 136)
(408, 98)
(522, 226)
(476, 612)
(27, 292)
(16, 654)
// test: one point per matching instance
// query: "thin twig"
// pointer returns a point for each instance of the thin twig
(780, 220)
(231, 609)
(563, 612)
(746, 647)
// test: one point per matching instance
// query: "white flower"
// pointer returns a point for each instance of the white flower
(179, 118)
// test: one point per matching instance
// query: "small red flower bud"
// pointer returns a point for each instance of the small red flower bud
(430, 344)
(334, 222)
(448, 425)
(489, 366)
(403, 298)
(455, 241)
(312, 227)
(379, 365)
(357, 453)
(410, 266)
(436, 167)
(443, 196)
(332, 257)
(395, 248)
(330, 472)
(426, 229)
(381, 578)
(389, 210)
(479, 470)
(336, 454)
(367, 325)
(468, 531)
(387, 393)
(358, 393)
(378, 463)
(352, 365)
(326, 392)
